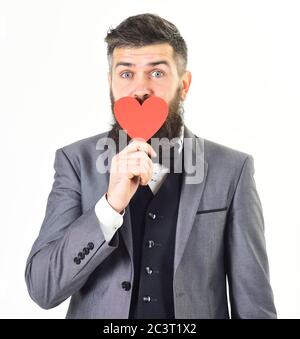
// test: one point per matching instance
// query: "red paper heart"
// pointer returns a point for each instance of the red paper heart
(141, 121)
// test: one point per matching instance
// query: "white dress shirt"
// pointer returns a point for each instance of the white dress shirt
(109, 219)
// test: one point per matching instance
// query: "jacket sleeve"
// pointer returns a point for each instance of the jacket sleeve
(54, 270)
(250, 291)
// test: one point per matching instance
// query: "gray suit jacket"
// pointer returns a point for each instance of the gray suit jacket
(219, 235)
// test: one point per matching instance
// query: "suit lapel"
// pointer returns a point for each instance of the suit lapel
(126, 232)
(190, 193)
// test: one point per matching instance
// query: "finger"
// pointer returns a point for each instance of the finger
(133, 171)
(137, 145)
(143, 171)
(146, 175)
(138, 155)
(145, 179)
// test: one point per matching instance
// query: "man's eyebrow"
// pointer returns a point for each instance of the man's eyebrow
(160, 62)
(126, 64)
(152, 64)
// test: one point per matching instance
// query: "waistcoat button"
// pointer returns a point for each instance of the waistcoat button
(148, 270)
(146, 299)
(150, 243)
(152, 215)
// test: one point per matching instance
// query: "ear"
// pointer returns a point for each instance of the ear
(185, 83)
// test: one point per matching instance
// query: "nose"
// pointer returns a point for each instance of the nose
(141, 97)
(142, 92)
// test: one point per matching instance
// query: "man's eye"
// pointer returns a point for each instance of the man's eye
(126, 75)
(157, 74)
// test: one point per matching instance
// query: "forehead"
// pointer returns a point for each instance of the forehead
(143, 55)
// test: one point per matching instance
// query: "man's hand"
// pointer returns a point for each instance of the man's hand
(129, 169)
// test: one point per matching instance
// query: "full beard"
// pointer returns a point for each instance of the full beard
(170, 129)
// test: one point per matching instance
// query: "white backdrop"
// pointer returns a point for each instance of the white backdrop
(244, 57)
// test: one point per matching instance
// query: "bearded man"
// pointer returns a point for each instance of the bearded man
(141, 240)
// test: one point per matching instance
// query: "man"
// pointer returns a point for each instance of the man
(142, 242)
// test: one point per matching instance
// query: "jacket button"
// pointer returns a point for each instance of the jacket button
(81, 255)
(152, 215)
(126, 285)
(77, 261)
(146, 298)
(86, 251)
(90, 245)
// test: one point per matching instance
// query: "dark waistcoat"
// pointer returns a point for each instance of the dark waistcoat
(154, 219)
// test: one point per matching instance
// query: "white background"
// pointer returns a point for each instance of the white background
(244, 57)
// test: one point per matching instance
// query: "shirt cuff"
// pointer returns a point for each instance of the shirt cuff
(109, 219)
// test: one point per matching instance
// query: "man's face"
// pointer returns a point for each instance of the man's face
(150, 71)
(145, 71)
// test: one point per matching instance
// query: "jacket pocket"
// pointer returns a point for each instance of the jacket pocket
(212, 210)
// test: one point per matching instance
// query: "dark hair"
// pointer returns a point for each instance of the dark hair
(147, 29)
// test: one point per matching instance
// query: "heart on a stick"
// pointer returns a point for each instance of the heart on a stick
(141, 121)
